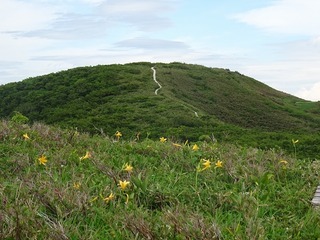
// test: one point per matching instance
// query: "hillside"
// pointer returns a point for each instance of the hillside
(195, 101)
(62, 184)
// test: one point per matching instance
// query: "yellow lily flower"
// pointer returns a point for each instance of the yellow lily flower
(42, 160)
(128, 168)
(195, 147)
(25, 136)
(76, 185)
(123, 184)
(218, 164)
(109, 198)
(205, 163)
(88, 155)
(163, 139)
(283, 162)
(118, 135)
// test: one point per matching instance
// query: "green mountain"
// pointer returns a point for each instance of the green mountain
(193, 103)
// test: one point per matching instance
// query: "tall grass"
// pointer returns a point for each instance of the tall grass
(76, 194)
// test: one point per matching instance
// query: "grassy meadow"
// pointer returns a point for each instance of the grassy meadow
(62, 184)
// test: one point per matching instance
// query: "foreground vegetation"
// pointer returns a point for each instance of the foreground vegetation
(60, 184)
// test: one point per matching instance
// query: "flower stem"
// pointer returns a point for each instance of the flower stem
(196, 186)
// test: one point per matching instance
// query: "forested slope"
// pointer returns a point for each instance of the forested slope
(195, 102)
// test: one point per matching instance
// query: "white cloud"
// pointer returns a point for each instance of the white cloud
(152, 44)
(42, 36)
(288, 76)
(312, 93)
(285, 16)
(293, 64)
(135, 7)
(145, 15)
(71, 26)
(23, 16)
(95, 2)
(82, 19)
(306, 50)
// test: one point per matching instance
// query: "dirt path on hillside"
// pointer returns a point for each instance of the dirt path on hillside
(156, 91)
(155, 79)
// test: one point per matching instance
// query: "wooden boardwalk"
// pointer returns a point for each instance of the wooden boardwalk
(316, 199)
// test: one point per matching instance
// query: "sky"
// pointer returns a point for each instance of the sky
(276, 42)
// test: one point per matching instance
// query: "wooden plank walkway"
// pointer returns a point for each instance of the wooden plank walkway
(316, 199)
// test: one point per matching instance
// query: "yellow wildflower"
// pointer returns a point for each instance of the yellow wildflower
(195, 147)
(218, 164)
(128, 168)
(42, 160)
(123, 184)
(109, 198)
(295, 141)
(205, 163)
(163, 139)
(25, 136)
(76, 185)
(88, 155)
(118, 135)
(283, 162)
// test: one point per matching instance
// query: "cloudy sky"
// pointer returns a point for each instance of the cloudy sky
(274, 41)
